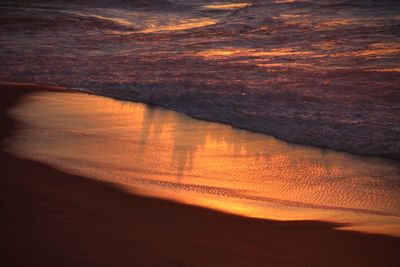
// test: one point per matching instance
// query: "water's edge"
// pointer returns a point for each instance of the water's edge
(323, 74)
(315, 143)
(131, 98)
(144, 139)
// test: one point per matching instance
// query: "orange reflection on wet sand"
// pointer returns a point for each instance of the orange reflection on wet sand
(165, 154)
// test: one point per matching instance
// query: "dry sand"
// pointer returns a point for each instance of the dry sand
(50, 218)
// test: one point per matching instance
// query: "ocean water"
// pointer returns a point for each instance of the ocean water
(155, 152)
(325, 73)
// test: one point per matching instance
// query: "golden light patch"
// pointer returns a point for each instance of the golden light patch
(228, 6)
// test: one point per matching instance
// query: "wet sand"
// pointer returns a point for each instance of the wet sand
(51, 218)
(164, 154)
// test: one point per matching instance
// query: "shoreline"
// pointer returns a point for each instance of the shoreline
(52, 217)
(394, 157)
(391, 157)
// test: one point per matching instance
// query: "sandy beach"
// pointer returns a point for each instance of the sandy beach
(51, 218)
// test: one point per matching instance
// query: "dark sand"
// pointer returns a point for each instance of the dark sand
(50, 218)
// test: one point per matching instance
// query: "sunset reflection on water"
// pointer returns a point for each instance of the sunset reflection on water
(228, 6)
(313, 72)
(161, 153)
